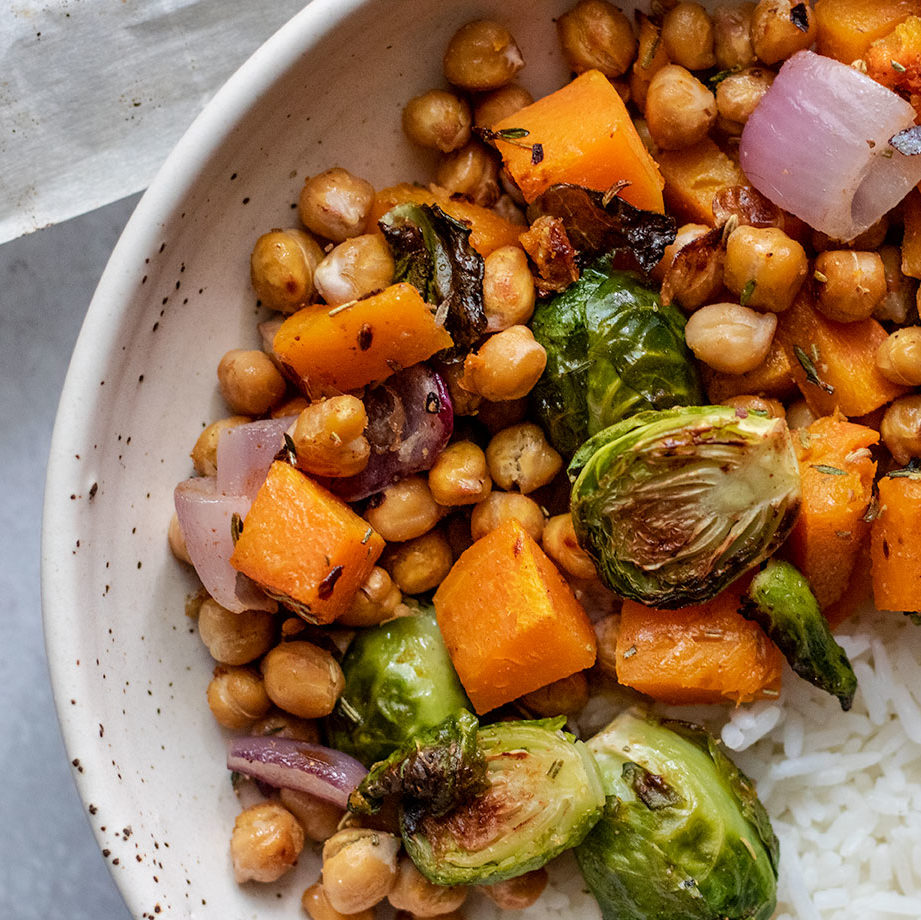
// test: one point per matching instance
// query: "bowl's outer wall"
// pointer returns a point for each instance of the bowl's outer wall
(128, 670)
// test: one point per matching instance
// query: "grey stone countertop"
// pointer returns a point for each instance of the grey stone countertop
(50, 865)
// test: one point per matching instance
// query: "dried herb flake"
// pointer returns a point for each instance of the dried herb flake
(236, 527)
(812, 375)
(747, 292)
(828, 470)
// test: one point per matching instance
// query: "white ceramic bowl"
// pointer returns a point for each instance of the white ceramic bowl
(128, 670)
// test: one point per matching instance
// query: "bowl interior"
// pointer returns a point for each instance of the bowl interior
(128, 669)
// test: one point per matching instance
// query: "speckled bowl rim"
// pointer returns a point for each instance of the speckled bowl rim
(81, 396)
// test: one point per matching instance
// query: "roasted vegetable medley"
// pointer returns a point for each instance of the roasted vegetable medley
(622, 402)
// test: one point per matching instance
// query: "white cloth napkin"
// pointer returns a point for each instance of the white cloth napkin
(95, 93)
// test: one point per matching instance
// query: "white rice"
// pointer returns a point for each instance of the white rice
(843, 789)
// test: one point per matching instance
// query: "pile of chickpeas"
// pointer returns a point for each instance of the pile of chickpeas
(277, 675)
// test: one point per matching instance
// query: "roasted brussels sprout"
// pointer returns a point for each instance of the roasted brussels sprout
(781, 602)
(672, 506)
(613, 350)
(399, 681)
(683, 833)
(481, 805)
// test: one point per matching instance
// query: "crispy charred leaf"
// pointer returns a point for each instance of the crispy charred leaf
(599, 224)
(399, 682)
(432, 252)
(673, 506)
(781, 602)
(907, 142)
(612, 349)
(544, 794)
(707, 853)
(433, 774)
(695, 275)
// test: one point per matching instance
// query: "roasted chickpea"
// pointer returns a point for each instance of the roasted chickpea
(482, 55)
(508, 288)
(316, 904)
(517, 893)
(376, 601)
(280, 724)
(562, 697)
(265, 843)
(730, 338)
(739, 93)
(176, 540)
(437, 119)
(237, 697)
(764, 405)
(521, 458)
(901, 428)
(900, 289)
(404, 510)
(329, 437)
(471, 171)
(692, 281)
(356, 267)
(870, 240)
(780, 28)
(282, 268)
(685, 234)
(680, 110)
(899, 357)
(799, 415)
(413, 892)
(318, 818)
(419, 565)
(359, 868)
(499, 507)
(250, 383)
(596, 35)
(235, 638)
(302, 679)
(562, 546)
(500, 103)
(688, 36)
(850, 284)
(335, 204)
(460, 475)
(765, 267)
(204, 453)
(733, 36)
(507, 365)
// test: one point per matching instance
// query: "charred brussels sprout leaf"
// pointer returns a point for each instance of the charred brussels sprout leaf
(613, 350)
(542, 794)
(432, 252)
(703, 851)
(399, 681)
(599, 223)
(673, 506)
(781, 602)
(433, 774)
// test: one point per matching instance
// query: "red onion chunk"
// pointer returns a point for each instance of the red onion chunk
(818, 146)
(410, 420)
(287, 764)
(245, 453)
(205, 520)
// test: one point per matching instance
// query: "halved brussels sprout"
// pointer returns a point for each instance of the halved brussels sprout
(673, 506)
(399, 681)
(613, 349)
(475, 813)
(683, 834)
(781, 602)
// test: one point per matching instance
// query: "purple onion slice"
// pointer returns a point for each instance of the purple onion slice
(288, 764)
(245, 453)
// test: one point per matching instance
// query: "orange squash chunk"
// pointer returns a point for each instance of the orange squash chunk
(707, 653)
(587, 138)
(858, 592)
(895, 60)
(344, 348)
(510, 621)
(847, 28)
(911, 241)
(844, 357)
(304, 546)
(895, 545)
(836, 473)
(774, 378)
(693, 176)
(488, 231)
